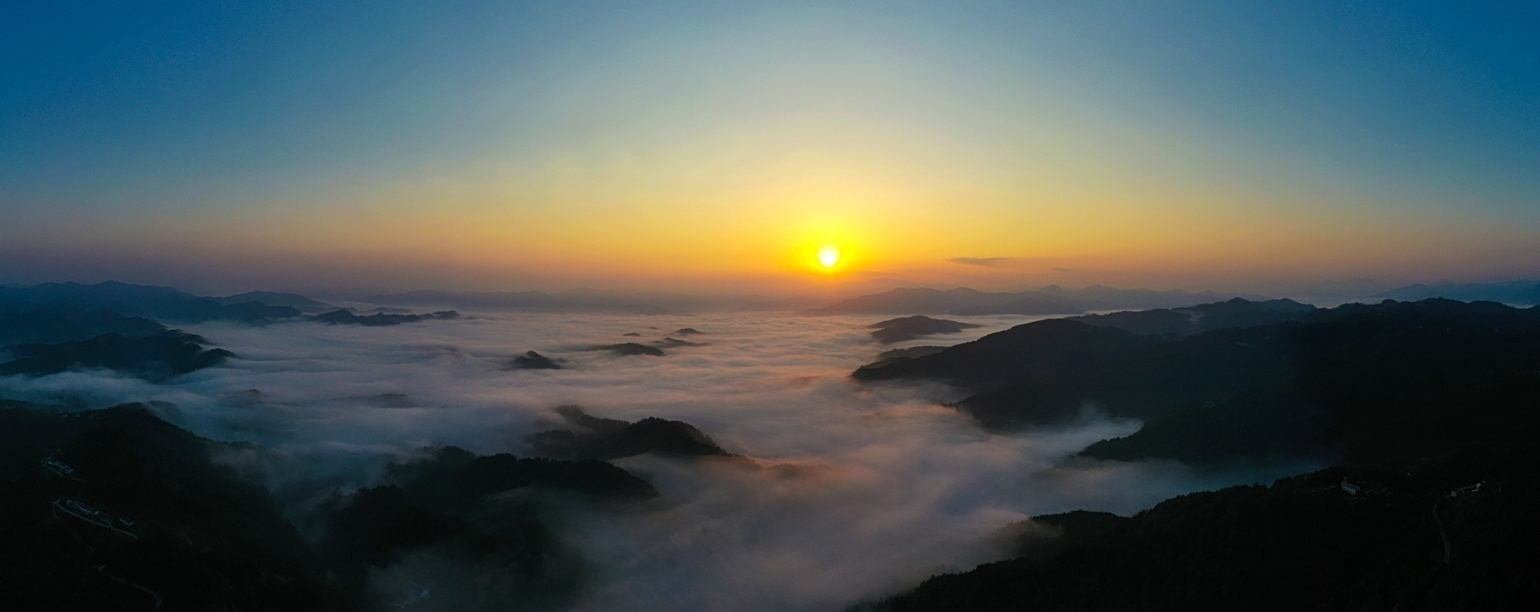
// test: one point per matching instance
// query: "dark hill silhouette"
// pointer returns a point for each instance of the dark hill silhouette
(1201, 318)
(274, 298)
(1454, 533)
(569, 301)
(482, 514)
(1524, 292)
(159, 303)
(630, 349)
(599, 438)
(201, 538)
(899, 354)
(672, 342)
(1050, 300)
(344, 317)
(1382, 383)
(155, 358)
(452, 477)
(55, 325)
(531, 360)
(908, 328)
(205, 540)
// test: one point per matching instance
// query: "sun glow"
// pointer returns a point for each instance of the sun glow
(828, 255)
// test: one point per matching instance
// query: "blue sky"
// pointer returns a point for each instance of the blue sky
(1187, 143)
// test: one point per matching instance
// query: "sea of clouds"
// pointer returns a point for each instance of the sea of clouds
(854, 491)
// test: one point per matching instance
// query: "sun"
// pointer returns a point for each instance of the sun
(828, 255)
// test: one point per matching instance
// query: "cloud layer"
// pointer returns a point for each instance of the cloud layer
(853, 491)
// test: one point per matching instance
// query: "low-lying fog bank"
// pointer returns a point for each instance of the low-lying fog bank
(850, 491)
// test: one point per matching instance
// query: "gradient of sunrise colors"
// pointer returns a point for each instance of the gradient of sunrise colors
(689, 146)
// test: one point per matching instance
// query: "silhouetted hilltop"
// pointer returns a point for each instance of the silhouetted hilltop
(630, 349)
(1379, 383)
(274, 298)
(470, 532)
(570, 301)
(116, 509)
(1453, 534)
(899, 354)
(1236, 312)
(156, 358)
(454, 478)
(1050, 300)
(171, 526)
(54, 325)
(531, 360)
(1523, 292)
(344, 317)
(160, 303)
(908, 328)
(600, 438)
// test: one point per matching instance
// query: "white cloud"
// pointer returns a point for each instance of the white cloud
(868, 489)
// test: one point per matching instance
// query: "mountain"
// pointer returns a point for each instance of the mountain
(1522, 292)
(572, 301)
(454, 478)
(344, 317)
(598, 438)
(1050, 300)
(159, 303)
(450, 530)
(156, 358)
(116, 509)
(531, 360)
(1426, 407)
(1370, 384)
(908, 328)
(1452, 533)
(145, 516)
(54, 325)
(274, 298)
(1236, 312)
(630, 349)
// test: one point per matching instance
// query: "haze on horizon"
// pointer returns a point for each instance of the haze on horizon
(697, 146)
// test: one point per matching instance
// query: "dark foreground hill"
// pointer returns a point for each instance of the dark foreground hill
(1382, 383)
(134, 515)
(1201, 318)
(54, 325)
(344, 317)
(1430, 409)
(156, 357)
(1050, 300)
(159, 303)
(118, 510)
(1452, 534)
(909, 328)
(591, 437)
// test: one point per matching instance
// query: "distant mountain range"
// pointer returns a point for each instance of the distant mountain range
(51, 328)
(576, 301)
(274, 298)
(1056, 300)
(1320, 382)
(118, 510)
(1050, 300)
(159, 303)
(1201, 318)
(1521, 292)
(1426, 408)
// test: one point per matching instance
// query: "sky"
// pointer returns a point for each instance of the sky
(226, 146)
